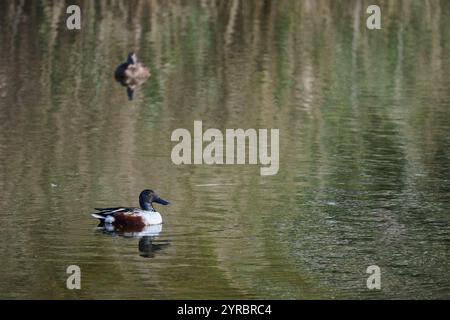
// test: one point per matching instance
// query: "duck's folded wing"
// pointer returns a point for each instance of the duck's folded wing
(113, 209)
(104, 212)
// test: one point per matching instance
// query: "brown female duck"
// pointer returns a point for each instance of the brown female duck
(131, 74)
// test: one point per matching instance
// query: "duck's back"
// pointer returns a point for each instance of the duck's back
(137, 71)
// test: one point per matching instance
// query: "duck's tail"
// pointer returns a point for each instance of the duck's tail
(99, 217)
(104, 214)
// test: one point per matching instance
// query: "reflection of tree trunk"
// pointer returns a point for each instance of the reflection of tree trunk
(155, 29)
(436, 48)
(55, 14)
(137, 25)
(231, 22)
(356, 23)
(398, 74)
(15, 23)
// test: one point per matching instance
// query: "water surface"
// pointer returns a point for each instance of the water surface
(364, 119)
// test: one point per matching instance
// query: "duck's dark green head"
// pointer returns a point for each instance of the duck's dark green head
(147, 197)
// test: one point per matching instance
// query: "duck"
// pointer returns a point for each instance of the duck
(131, 74)
(128, 217)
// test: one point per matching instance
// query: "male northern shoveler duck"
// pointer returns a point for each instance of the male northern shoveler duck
(124, 216)
(131, 74)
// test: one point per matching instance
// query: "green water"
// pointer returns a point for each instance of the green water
(364, 120)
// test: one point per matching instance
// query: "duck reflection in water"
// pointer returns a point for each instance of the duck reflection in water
(132, 74)
(148, 244)
(148, 247)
